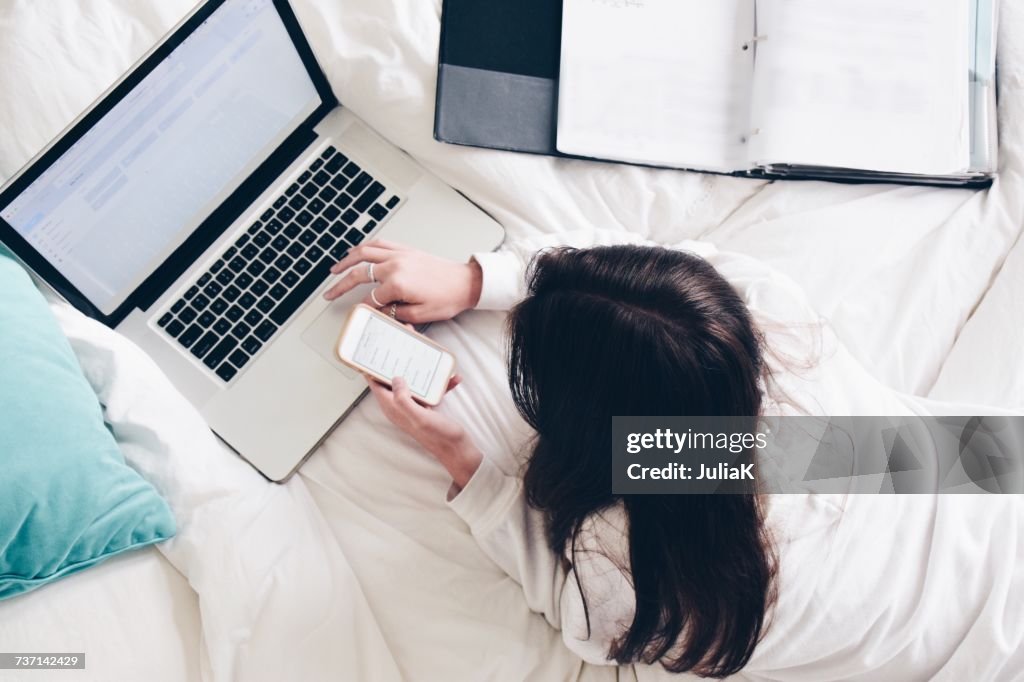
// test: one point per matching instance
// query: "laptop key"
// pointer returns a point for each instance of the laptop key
(206, 320)
(331, 212)
(336, 162)
(354, 236)
(254, 228)
(175, 328)
(232, 293)
(304, 178)
(217, 266)
(328, 152)
(190, 336)
(286, 214)
(359, 184)
(220, 351)
(392, 202)
(280, 242)
(234, 313)
(247, 301)
(178, 305)
(292, 231)
(292, 189)
(279, 202)
(338, 229)
(187, 315)
(190, 294)
(266, 304)
(314, 254)
(352, 169)
(229, 254)
(237, 264)
(302, 291)
(284, 262)
(338, 182)
(290, 279)
(295, 250)
(279, 291)
(253, 317)
(218, 306)
(203, 280)
(319, 225)
(297, 202)
(349, 217)
(261, 239)
(378, 212)
(304, 218)
(309, 191)
(226, 372)
(265, 330)
(339, 251)
(225, 276)
(328, 193)
(271, 275)
(274, 226)
(200, 302)
(369, 196)
(302, 266)
(165, 320)
(268, 255)
(238, 358)
(316, 206)
(343, 201)
(307, 237)
(222, 326)
(250, 252)
(213, 289)
(267, 215)
(251, 345)
(368, 227)
(241, 330)
(259, 287)
(255, 268)
(317, 165)
(325, 242)
(204, 345)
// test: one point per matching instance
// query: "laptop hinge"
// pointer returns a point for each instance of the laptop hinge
(223, 217)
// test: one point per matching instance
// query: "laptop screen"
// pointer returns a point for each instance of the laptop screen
(118, 202)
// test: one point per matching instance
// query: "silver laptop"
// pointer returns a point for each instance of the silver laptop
(197, 207)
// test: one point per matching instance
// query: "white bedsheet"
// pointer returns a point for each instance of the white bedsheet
(360, 543)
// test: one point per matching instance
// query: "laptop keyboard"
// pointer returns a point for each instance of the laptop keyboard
(234, 308)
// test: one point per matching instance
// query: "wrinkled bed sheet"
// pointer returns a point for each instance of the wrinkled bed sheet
(356, 568)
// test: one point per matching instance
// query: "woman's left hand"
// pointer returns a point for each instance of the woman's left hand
(440, 435)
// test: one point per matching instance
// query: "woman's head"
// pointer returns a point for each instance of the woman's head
(632, 330)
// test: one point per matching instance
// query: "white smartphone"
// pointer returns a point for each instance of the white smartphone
(375, 344)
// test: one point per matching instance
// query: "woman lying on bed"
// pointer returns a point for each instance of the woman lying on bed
(610, 330)
(692, 582)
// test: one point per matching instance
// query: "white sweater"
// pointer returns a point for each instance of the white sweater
(872, 587)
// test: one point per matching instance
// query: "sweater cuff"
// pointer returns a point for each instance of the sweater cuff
(502, 286)
(484, 500)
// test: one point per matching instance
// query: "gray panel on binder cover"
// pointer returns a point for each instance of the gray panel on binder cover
(494, 109)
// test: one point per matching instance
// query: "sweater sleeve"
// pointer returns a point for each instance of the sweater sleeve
(512, 534)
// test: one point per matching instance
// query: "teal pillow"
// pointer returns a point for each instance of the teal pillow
(67, 498)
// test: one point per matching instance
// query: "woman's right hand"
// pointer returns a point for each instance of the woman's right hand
(425, 287)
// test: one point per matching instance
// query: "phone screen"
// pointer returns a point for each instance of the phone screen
(390, 352)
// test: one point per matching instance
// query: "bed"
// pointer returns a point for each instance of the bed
(356, 569)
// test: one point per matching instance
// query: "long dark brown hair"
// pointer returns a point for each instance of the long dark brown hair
(631, 330)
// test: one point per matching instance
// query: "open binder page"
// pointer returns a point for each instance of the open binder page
(866, 84)
(659, 82)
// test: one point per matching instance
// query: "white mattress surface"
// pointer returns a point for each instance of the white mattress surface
(356, 568)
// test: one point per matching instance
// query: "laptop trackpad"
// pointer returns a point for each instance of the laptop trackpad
(322, 335)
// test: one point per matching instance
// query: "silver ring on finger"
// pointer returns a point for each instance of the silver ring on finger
(369, 273)
(373, 297)
(394, 310)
